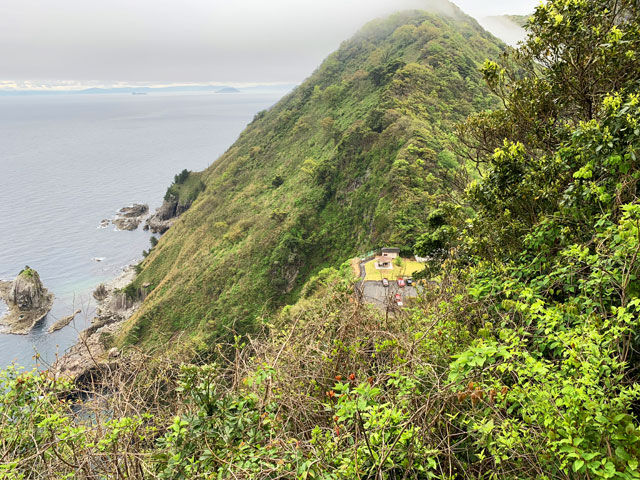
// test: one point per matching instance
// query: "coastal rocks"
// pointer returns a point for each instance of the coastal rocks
(5, 288)
(128, 224)
(92, 347)
(135, 210)
(158, 226)
(164, 217)
(100, 293)
(27, 299)
(129, 218)
(63, 322)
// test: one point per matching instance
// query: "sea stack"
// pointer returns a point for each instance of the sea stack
(27, 299)
(27, 292)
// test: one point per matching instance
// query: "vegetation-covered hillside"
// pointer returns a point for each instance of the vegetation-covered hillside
(361, 155)
(519, 360)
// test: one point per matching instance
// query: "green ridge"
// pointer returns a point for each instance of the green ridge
(359, 156)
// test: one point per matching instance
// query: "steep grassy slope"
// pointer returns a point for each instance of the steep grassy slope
(361, 155)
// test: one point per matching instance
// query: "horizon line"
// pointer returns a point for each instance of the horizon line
(17, 87)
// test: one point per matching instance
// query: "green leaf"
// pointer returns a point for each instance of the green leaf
(622, 453)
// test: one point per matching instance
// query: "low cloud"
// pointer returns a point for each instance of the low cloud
(191, 41)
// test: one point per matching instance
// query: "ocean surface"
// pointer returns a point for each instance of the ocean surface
(67, 162)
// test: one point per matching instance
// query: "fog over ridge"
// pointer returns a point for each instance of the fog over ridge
(73, 42)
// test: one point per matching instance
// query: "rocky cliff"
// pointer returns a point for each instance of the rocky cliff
(164, 217)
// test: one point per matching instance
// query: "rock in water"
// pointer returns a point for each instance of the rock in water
(63, 322)
(127, 223)
(129, 218)
(27, 299)
(27, 292)
(135, 210)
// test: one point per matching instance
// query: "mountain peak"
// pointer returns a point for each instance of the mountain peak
(360, 155)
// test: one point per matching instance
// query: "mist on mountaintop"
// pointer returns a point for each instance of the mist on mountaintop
(151, 41)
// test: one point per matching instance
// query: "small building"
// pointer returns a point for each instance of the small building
(390, 252)
(384, 262)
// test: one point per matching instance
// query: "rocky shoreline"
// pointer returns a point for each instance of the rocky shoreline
(112, 311)
(113, 307)
(129, 218)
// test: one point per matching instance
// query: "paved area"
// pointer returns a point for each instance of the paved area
(374, 292)
(384, 297)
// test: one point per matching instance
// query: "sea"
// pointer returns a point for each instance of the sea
(69, 161)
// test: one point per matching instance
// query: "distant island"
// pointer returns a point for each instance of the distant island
(284, 88)
(228, 90)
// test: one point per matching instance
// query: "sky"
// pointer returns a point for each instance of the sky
(73, 43)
